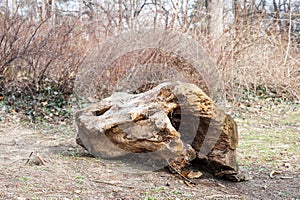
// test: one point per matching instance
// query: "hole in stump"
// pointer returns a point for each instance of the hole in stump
(101, 112)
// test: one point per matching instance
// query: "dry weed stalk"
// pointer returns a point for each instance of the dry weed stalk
(261, 62)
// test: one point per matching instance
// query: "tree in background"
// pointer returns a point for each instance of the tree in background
(216, 21)
(255, 42)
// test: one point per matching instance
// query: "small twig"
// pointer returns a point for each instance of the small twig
(179, 173)
(29, 158)
(42, 160)
(286, 177)
(8, 144)
(112, 183)
(16, 160)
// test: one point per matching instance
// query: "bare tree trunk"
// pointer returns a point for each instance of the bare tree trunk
(13, 6)
(5, 3)
(155, 16)
(80, 10)
(53, 12)
(120, 15)
(185, 23)
(35, 11)
(44, 9)
(236, 10)
(133, 9)
(216, 25)
(175, 10)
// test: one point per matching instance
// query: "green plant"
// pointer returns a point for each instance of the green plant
(79, 179)
(149, 197)
(25, 178)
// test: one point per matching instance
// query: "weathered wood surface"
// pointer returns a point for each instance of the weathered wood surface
(178, 121)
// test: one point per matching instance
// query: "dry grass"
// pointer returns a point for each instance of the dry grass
(269, 135)
(256, 60)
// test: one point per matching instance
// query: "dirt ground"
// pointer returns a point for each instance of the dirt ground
(42, 161)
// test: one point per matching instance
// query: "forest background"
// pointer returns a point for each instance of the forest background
(43, 43)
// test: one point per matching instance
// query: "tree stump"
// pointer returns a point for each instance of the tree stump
(176, 122)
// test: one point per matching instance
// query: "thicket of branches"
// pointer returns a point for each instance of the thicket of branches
(42, 43)
(38, 63)
(254, 42)
(261, 50)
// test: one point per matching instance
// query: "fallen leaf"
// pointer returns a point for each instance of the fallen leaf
(193, 174)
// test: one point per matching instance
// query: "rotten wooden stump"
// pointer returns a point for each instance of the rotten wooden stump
(176, 121)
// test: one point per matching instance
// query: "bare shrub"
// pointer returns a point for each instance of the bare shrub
(258, 54)
(132, 60)
(260, 63)
(38, 61)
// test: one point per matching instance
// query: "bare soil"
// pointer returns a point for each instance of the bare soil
(42, 161)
